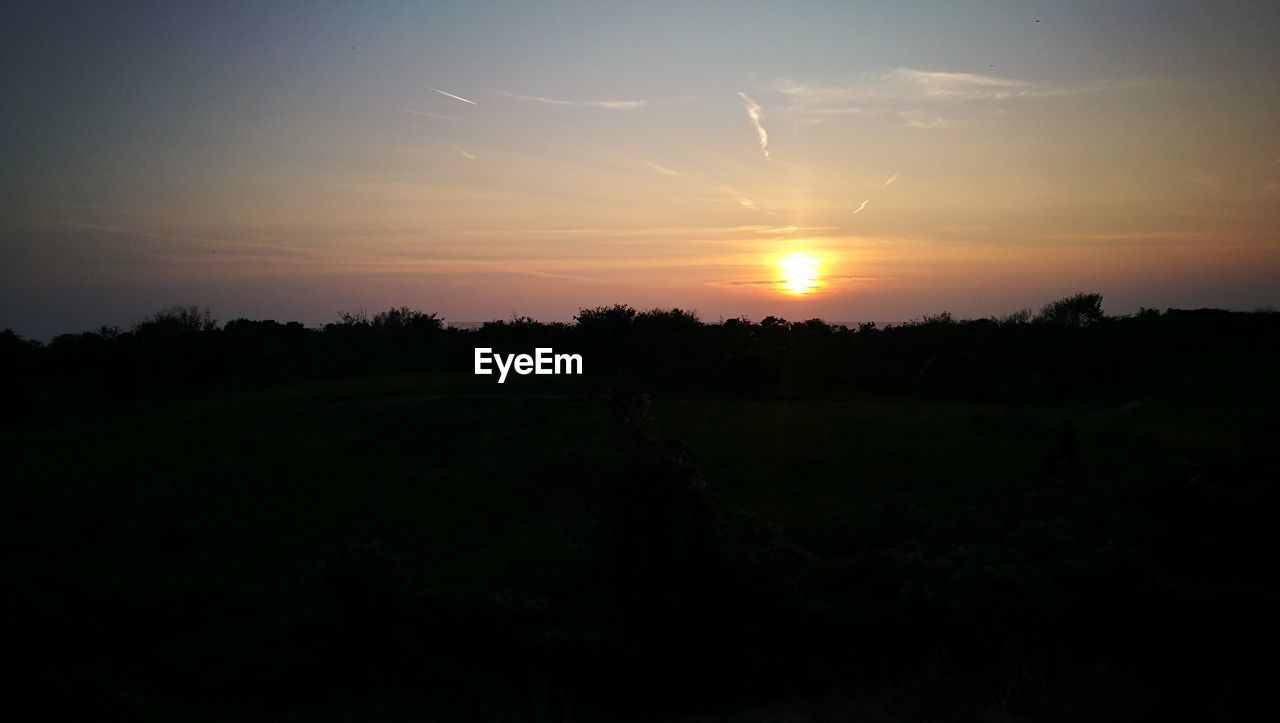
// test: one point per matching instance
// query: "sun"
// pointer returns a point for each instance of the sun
(799, 272)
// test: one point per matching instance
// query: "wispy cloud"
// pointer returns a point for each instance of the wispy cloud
(451, 95)
(606, 104)
(661, 169)
(926, 121)
(428, 114)
(864, 205)
(892, 178)
(963, 86)
(778, 284)
(908, 88)
(466, 155)
(1140, 236)
(753, 113)
(751, 205)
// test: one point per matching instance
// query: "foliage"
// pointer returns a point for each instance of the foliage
(1076, 311)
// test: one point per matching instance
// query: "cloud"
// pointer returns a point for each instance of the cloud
(918, 119)
(661, 169)
(825, 278)
(606, 104)
(1163, 235)
(892, 178)
(911, 88)
(964, 86)
(615, 104)
(451, 95)
(751, 205)
(428, 114)
(466, 155)
(864, 205)
(753, 113)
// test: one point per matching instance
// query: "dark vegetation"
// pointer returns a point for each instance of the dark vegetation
(1049, 516)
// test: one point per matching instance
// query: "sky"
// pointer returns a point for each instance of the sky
(480, 160)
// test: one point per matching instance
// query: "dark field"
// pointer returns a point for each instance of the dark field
(435, 547)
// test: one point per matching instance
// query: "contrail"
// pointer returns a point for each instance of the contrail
(753, 112)
(892, 178)
(864, 205)
(610, 104)
(451, 95)
(661, 169)
(464, 153)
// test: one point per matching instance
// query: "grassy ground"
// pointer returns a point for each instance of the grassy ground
(409, 544)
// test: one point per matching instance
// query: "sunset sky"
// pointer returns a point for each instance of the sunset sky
(290, 160)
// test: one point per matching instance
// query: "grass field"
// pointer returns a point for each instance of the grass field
(430, 547)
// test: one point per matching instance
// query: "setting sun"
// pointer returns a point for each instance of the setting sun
(799, 272)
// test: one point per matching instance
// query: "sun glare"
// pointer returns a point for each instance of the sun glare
(799, 272)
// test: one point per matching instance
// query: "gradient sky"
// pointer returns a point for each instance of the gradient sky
(290, 160)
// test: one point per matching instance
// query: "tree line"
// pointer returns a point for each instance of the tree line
(1066, 350)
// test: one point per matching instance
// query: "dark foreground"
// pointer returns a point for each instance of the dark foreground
(381, 546)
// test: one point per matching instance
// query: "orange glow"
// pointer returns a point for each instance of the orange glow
(800, 272)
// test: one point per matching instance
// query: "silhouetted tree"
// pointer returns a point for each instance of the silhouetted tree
(941, 319)
(1076, 311)
(176, 320)
(18, 358)
(1017, 318)
(605, 317)
(360, 317)
(404, 318)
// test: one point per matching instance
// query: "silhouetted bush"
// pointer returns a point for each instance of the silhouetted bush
(1075, 311)
(175, 321)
